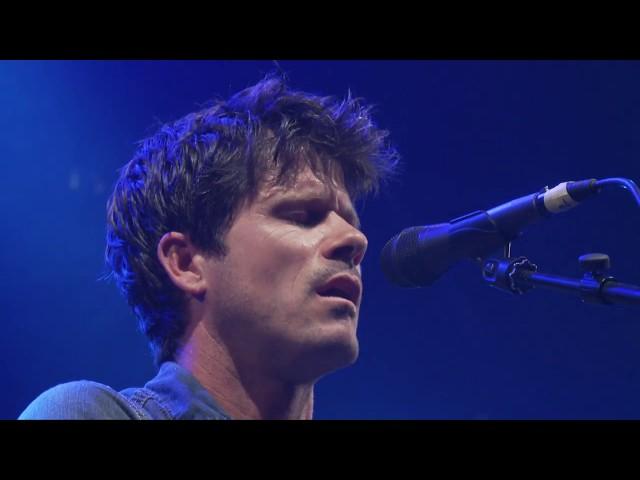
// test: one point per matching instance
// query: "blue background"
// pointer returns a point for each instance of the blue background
(473, 134)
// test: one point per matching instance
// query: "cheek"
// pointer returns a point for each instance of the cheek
(273, 258)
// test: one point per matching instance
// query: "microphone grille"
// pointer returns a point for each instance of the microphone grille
(398, 258)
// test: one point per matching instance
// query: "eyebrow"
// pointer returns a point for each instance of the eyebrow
(314, 197)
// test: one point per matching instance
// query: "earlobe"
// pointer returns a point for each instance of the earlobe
(179, 258)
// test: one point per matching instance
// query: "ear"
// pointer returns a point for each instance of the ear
(183, 263)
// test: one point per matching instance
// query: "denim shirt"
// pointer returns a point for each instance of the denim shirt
(173, 394)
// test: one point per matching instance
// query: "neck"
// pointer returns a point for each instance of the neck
(247, 393)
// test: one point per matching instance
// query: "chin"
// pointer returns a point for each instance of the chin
(342, 342)
(322, 355)
(334, 354)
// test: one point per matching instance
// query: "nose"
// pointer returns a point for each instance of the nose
(345, 243)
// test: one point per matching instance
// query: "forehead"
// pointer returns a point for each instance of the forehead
(306, 182)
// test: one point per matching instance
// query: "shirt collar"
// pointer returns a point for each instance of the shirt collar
(183, 395)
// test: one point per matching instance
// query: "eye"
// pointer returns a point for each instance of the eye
(307, 218)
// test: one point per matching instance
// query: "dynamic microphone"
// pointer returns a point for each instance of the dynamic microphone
(418, 256)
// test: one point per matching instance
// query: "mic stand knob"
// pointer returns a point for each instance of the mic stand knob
(594, 267)
(501, 273)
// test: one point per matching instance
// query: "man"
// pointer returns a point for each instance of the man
(232, 234)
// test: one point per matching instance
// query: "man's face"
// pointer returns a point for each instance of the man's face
(285, 299)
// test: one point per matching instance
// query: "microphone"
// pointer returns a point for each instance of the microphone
(418, 256)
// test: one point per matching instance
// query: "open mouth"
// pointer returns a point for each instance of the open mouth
(342, 286)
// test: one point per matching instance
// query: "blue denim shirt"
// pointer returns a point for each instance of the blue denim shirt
(173, 394)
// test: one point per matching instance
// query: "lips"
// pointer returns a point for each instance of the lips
(342, 286)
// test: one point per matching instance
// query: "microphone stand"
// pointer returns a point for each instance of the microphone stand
(518, 275)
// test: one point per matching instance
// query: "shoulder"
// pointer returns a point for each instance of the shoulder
(79, 400)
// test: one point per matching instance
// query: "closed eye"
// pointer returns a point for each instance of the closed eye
(307, 218)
